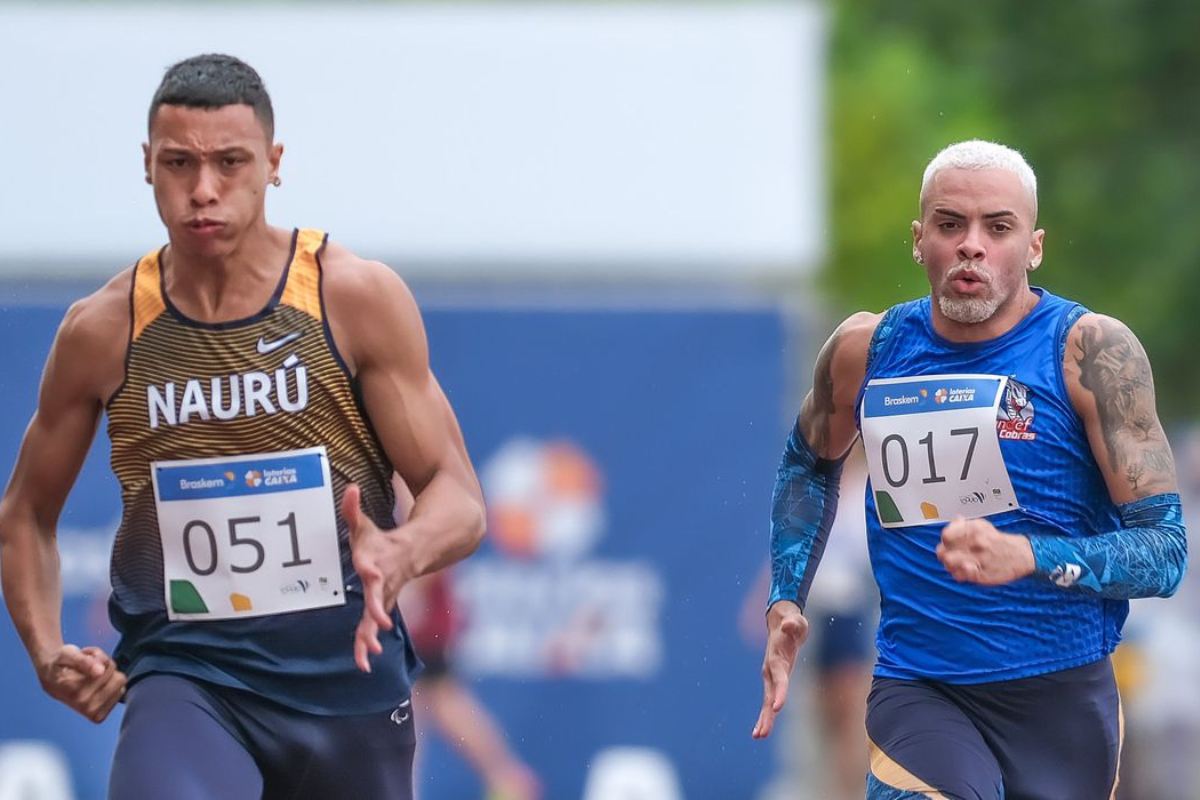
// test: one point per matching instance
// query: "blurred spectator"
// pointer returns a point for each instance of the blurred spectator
(1156, 669)
(433, 622)
(456, 713)
(842, 608)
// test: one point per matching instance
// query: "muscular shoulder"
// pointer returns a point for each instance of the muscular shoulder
(89, 350)
(103, 314)
(827, 414)
(851, 342)
(1092, 329)
(1101, 349)
(348, 276)
(842, 362)
(1106, 371)
(1111, 386)
(372, 313)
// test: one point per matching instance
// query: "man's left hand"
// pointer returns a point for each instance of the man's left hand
(381, 561)
(973, 551)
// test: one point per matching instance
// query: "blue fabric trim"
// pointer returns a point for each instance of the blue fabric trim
(1069, 319)
(803, 506)
(883, 331)
(1065, 324)
(878, 790)
(880, 340)
(1147, 557)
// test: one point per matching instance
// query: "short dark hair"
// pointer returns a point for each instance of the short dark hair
(214, 81)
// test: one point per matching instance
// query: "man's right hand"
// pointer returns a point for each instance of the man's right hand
(85, 679)
(786, 631)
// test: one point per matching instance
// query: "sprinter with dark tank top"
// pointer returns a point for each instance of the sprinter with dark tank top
(262, 385)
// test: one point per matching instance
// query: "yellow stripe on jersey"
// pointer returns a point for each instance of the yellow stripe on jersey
(148, 302)
(303, 290)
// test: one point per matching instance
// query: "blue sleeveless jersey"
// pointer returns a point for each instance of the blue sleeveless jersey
(934, 627)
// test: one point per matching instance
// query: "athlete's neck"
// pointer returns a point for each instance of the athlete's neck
(229, 286)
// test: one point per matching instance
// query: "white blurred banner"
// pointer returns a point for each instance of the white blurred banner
(657, 140)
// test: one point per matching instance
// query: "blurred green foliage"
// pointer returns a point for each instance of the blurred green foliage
(1101, 97)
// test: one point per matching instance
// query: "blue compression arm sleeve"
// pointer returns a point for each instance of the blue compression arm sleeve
(802, 509)
(1145, 558)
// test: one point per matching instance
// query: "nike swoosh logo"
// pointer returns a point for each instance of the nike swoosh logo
(265, 347)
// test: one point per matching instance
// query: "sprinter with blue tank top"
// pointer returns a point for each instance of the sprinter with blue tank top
(1021, 493)
(262, 386)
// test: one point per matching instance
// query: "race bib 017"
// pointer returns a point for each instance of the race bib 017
(932, 448)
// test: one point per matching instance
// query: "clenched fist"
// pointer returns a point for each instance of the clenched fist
(85, 679)
(973, 551)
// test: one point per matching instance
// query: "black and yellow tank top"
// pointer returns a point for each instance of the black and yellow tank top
(211, 425)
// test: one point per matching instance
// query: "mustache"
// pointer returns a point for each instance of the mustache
(978, 271)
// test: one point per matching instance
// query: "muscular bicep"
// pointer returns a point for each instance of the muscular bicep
(827, 414)
(404, 493)
(49, 461)
(1111, 385)
(406, 405)
(56, 441)
(412, 420)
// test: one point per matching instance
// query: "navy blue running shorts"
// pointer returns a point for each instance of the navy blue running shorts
(189, 740)
(1048, 737)
(844, 639)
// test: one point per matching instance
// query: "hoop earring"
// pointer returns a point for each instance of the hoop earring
(276, 181)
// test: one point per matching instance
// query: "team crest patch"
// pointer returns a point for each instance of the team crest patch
(1014, 418)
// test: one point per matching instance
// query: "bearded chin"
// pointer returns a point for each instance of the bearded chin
(968, 310)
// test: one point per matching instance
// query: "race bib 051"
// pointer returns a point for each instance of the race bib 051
(248, 536)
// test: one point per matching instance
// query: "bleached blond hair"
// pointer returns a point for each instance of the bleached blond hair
(978, 154)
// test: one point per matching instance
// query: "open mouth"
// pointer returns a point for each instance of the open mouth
(968, 281)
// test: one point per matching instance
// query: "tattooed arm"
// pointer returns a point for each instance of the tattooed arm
(1111, 386)
(805, 500)
(1108, 376)
(827, 414)
(806, 486)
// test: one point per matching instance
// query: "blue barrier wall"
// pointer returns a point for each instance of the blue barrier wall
(630, 453)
